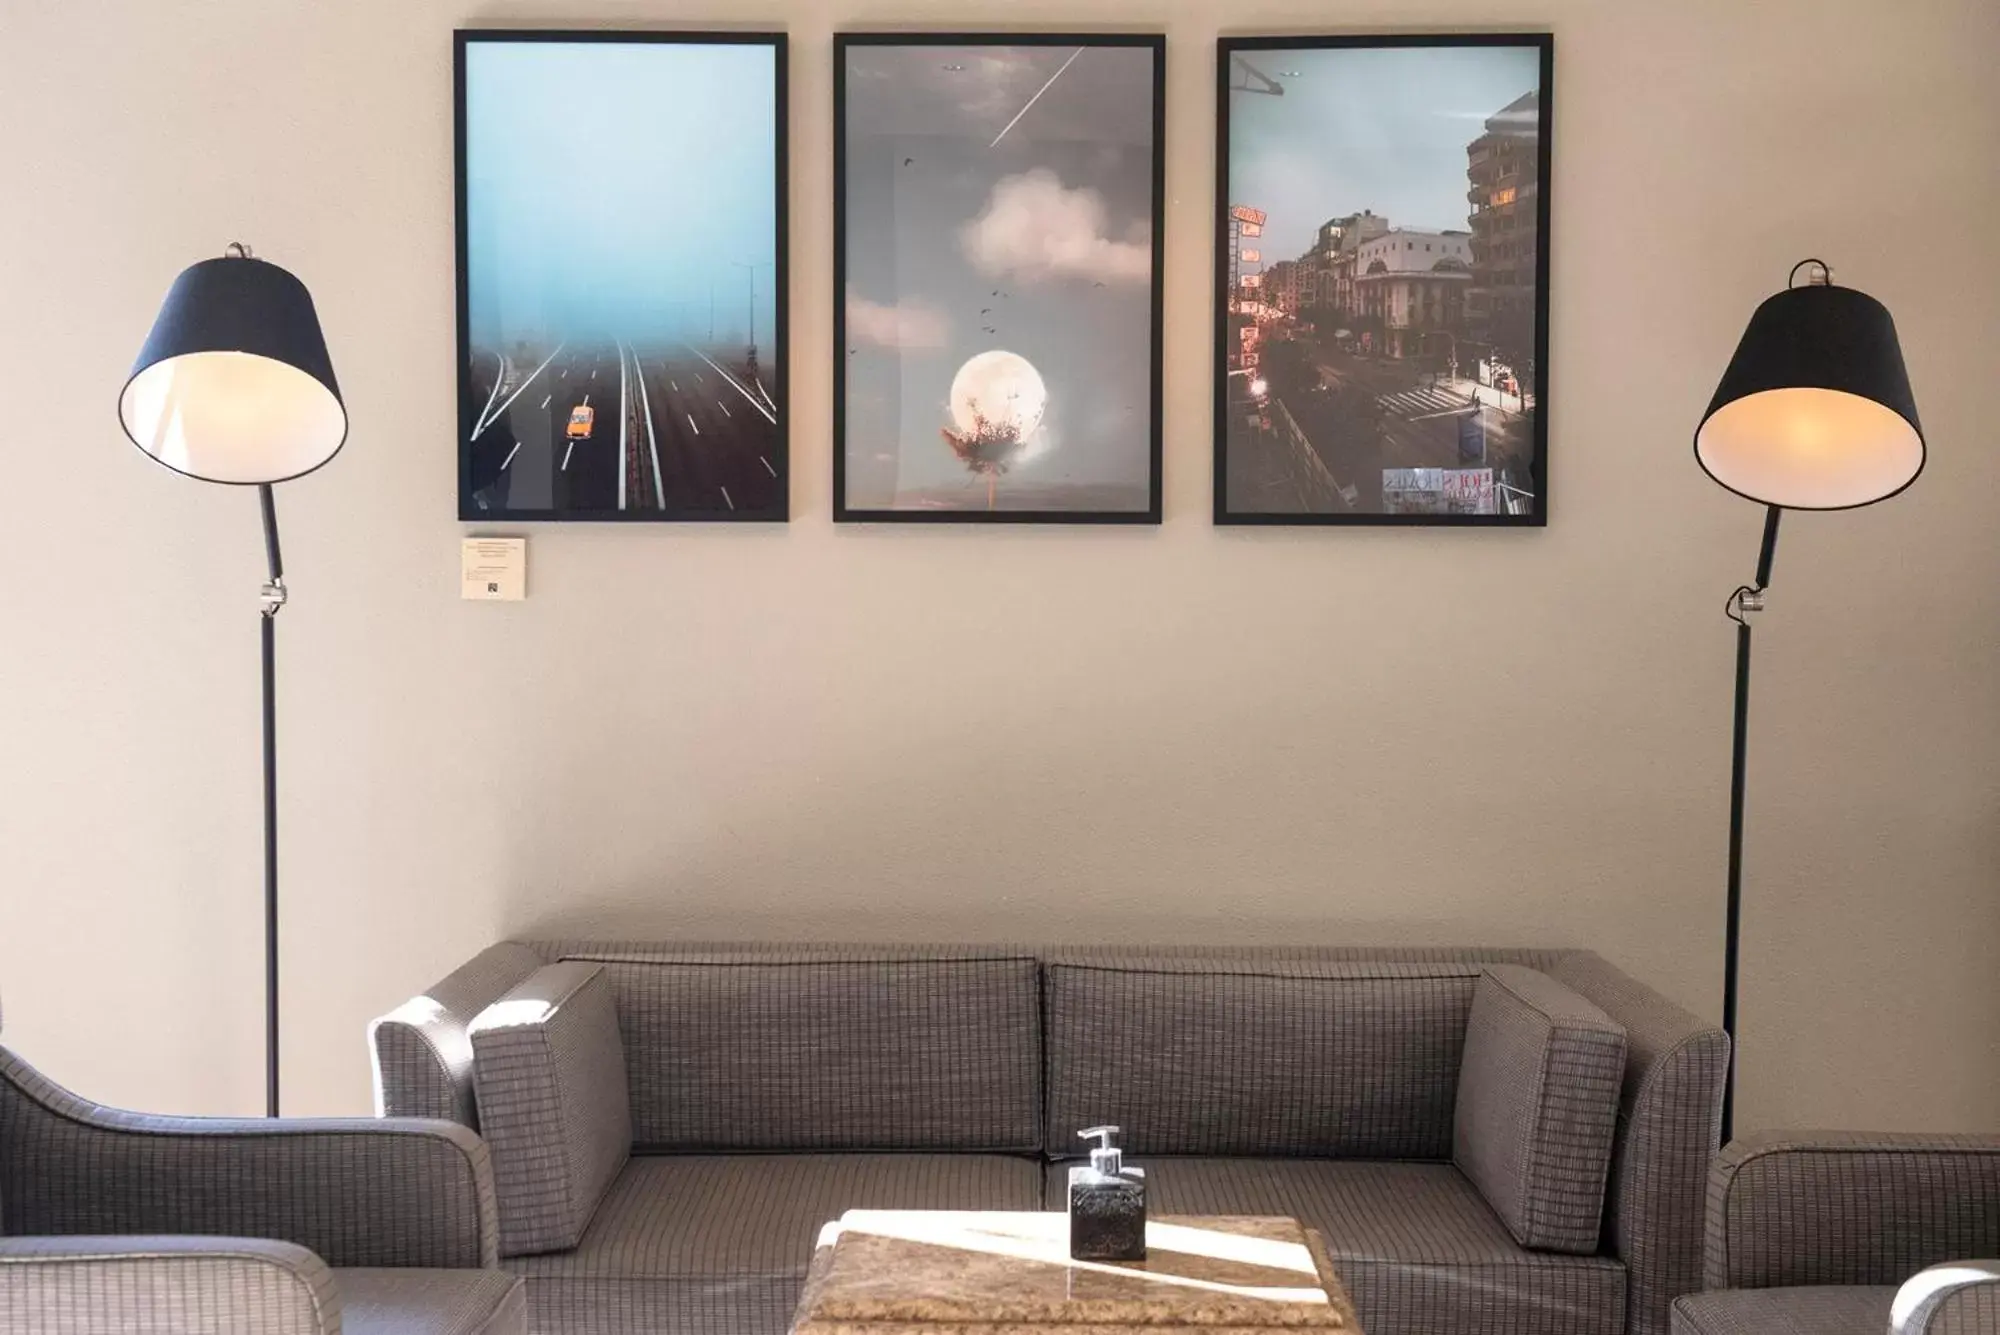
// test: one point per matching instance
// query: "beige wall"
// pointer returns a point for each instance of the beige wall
(1174, 734)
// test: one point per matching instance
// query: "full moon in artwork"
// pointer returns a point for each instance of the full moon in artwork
(998, 393)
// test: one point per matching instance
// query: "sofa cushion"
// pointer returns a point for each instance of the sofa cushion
(1414, 1243)
(828, 1048)
(1854, 1310)
(1538, 1106)
(1263, 1056)
(431, 1302)
(550, 1077)
(721, 1243)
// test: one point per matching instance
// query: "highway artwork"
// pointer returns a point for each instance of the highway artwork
(1383, 319)
(998, 202)
(622, 295)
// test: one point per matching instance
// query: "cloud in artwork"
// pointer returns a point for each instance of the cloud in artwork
(911, 324)
(1033, 228)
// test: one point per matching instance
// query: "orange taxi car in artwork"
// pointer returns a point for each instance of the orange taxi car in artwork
(582, 419)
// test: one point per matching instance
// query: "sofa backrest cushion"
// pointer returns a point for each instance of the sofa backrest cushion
(828, 1048)
(1538, 1107)
(1256, 1055)
(553, 1106)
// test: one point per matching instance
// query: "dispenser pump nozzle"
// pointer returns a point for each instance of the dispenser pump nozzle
(1105, 1157)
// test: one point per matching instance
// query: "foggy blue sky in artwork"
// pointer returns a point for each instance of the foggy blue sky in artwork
(1381, 128)
(611, 186)
(1040, 245)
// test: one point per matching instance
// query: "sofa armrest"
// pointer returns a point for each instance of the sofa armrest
(156, 1285)
(1950, 1299)
(1669, 1124)
(1845, 1208)
(421, 1052)
(358, 1192)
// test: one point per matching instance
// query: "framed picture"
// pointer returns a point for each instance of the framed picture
(1382, 280)
(997, 210)
(621, 275)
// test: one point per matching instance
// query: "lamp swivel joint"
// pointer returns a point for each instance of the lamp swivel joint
(273, 596)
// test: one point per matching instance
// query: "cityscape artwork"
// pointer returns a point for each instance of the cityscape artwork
(1382, 280)
(621, 275)
(997, 333)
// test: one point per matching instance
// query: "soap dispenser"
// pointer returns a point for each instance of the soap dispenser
(1107, 1204)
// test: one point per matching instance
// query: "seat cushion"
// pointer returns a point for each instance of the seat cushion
(1256, 1056)
(1537, 1107)
(828, 1048)
(1821, 1310)
(550, 1073)
(1418, 1248)
(719, 1244)
(431, 1302)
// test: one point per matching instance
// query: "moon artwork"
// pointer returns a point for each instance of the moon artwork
(997, 353)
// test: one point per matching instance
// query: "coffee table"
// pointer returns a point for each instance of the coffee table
(942, 1272)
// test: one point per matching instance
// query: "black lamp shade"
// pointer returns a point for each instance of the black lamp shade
(1815, 411)
(234, 383)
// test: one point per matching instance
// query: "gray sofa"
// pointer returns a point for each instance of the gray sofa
(118, 1223)
(1832, 1233)
(1507, 1142)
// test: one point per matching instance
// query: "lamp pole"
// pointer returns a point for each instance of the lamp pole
(273, 597)
(1744, 603)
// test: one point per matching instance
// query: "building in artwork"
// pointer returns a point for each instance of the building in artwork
(1503, 169)
(1281, 286)
(1333, 258)
(1410, 288)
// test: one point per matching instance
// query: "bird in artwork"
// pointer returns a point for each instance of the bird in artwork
(908, 161)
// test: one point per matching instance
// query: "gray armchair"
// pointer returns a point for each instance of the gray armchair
(1827, 1233)
(121, 1222)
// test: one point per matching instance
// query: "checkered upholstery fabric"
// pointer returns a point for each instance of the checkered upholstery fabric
(1214, 1055)
(1796, 1311)
(421, 1052)
(1818, 1208)
(827, 1048)
(432, 1302)
(1538, 1106)
(165, 1286)
(1419, 1250)
(550, 1071)
(1669, 1124)
(719, 1244)
(354, 1191)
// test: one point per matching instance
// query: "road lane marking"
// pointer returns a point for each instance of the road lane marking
(690, 417)
(676, 384)
(767, 398)
(725, 498)
(498, 380)
(545, 402)
(652, 440)
(624, 421)
(517, 393)
(769, 416)
(767, 465)
(566, 454)
(510, 456)
(586, 400)
(697, 378)
(725, 407)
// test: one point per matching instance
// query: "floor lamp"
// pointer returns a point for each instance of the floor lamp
(1814, 413)
(234, 385)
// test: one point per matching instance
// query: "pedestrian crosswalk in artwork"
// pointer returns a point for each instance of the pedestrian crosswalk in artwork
(1415, 402)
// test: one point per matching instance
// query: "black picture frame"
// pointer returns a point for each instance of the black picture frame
(1227, 247)
(843, 42)
(774, 388)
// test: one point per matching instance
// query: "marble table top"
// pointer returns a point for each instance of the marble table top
(941, 1272)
